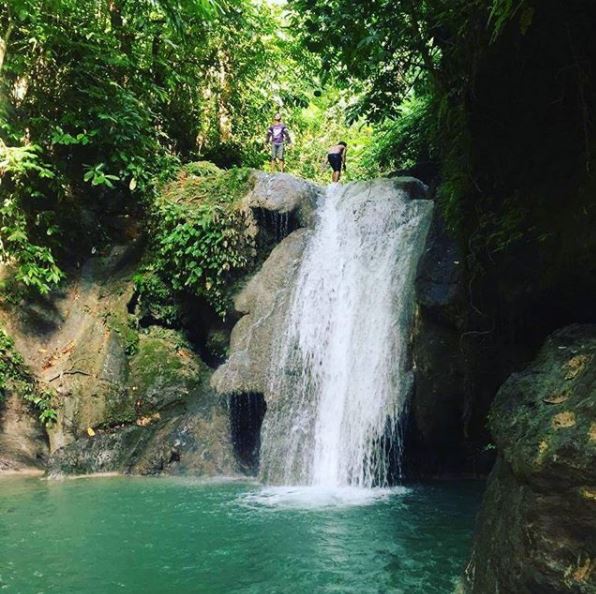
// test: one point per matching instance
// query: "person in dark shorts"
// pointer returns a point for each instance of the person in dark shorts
(336, 157)
(277, 136)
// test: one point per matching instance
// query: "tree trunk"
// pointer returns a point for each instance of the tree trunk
(4, 41)
(117, 23)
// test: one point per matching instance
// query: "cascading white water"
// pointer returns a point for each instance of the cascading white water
(340, 382)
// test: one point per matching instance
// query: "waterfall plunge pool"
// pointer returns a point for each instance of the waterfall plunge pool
(184, 536)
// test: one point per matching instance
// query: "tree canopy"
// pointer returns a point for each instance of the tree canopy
(103, 100)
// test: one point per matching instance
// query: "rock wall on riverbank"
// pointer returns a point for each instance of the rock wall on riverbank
(130, 394)
(128, 399)
(535, 532)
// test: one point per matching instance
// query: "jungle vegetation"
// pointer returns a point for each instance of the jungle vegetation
(490, 102)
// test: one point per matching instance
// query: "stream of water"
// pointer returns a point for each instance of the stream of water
(182, 536)
(340, 383)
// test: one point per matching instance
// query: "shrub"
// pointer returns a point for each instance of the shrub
(202, 239)
(15, 376)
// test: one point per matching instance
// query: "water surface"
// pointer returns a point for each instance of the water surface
(182, 536)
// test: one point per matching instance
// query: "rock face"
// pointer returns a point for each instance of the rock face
(76, 342)
(171, 422)
(436, 431)
(264, 302)
(23, 443)
(538, 520)
(139, 400)
(129, 400)
(284, 194)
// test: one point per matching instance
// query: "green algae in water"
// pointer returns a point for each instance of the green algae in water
(181, 536)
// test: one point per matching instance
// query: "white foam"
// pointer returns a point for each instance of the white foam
(318, 497)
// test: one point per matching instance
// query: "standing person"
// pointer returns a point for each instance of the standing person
(337, 159)
(278, 135)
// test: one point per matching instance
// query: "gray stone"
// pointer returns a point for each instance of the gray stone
(412, 186)
(283, 193)
(264, 303)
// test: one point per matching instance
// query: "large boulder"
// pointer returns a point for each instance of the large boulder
(538, 521)
(172, 422)
(263, 303)
(284, 194)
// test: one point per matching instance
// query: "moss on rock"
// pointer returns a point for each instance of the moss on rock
(166, 419)
(538, 518)
(164, 370)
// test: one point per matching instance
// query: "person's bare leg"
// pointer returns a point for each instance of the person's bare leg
(272, 165)
(335, 176)
(282, 165)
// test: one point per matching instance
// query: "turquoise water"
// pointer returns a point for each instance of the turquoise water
(181, 536)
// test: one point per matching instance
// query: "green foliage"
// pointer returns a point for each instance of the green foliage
(156, 300)
(15, 376)
(411, 67)
(201, 240)
(406, 140)
(320, 125)
(11, 362)
(34, 264)
(503, 11)
(101, 101)
(200, 169)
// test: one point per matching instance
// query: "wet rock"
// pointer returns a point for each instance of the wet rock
(264, 303)
(436, 433)
(439, 278)
(536, 529)
(412, 186)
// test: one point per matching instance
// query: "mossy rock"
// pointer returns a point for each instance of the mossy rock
(205, 184)
(164, 371)
(544, 418)
(200, 169)
(166, 420)
(538, 519)
(123, 324)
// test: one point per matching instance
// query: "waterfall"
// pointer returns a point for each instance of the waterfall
(340, 379)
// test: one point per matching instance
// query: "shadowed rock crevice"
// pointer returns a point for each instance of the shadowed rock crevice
(274, 227)
(247, 412)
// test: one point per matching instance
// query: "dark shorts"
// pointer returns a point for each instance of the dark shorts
(277, 152)
(335, 161)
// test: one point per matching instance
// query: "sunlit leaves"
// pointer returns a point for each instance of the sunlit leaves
(201, 237)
